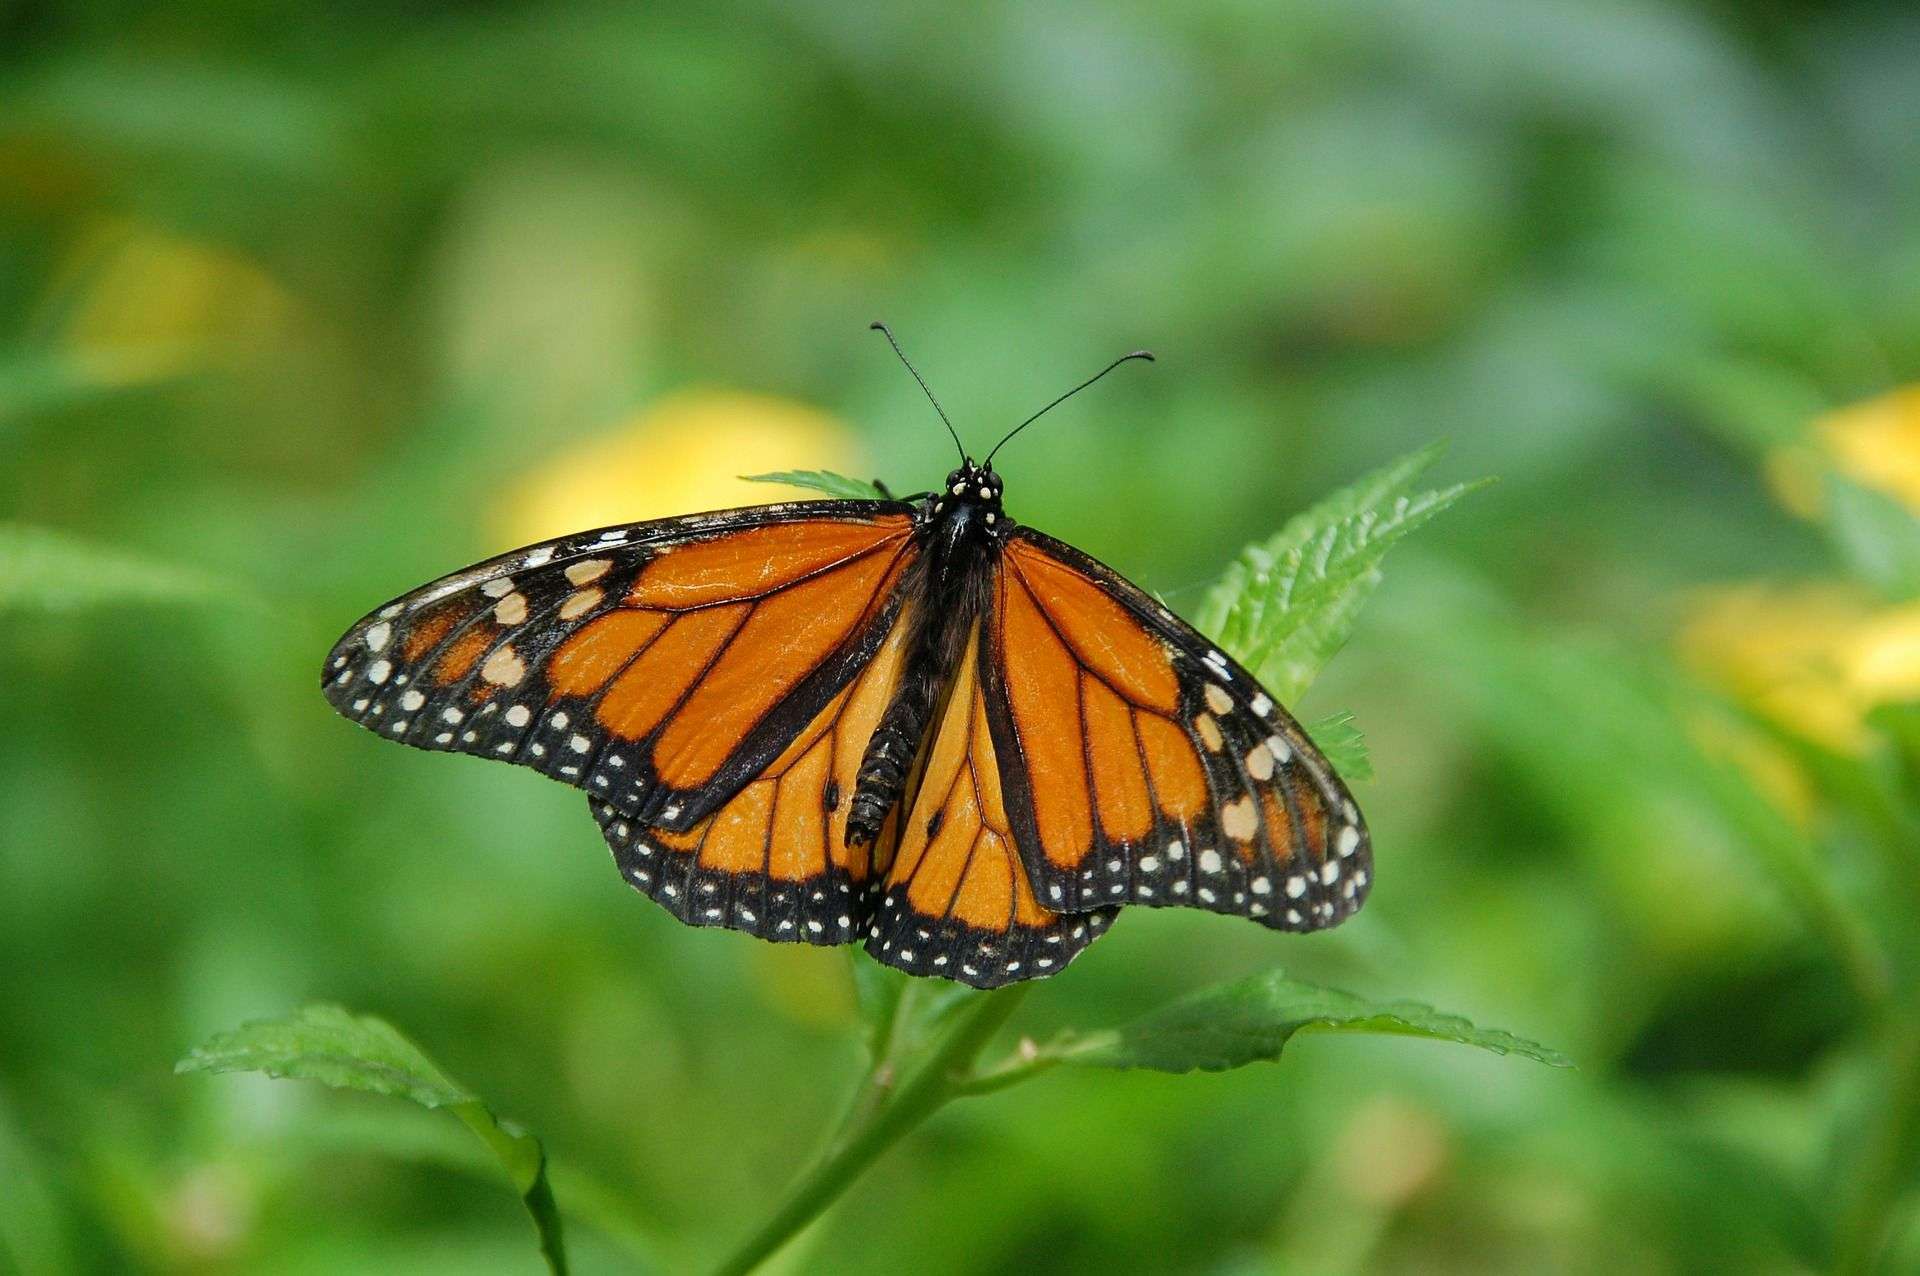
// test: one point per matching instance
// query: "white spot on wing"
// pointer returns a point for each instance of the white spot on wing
(1239, 819)
(1209, 731)
(511, 610)
(588, 570)
(580, 602)
(504, 668)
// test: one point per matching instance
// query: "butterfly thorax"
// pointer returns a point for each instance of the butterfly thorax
(961, 528)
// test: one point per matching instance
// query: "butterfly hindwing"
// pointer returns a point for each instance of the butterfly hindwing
(1143, 766)
(659, 666)
(956, 900)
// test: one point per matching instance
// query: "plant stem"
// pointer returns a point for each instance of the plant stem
(1024, 1064)
(884, 1073)
(942, 1077)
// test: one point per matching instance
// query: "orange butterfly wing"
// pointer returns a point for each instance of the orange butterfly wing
(1140, 765)
(956, 900)
(659, 666)
(773, 860)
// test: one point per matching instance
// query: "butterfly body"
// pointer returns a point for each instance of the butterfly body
(960, 528)
(915, 724)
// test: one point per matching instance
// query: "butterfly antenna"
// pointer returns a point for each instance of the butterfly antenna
(887, 332)
(1137, 354)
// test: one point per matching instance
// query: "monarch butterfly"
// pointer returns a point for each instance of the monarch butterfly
(909, 722)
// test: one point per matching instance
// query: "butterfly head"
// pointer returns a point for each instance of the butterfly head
(974, 482)
(971, 485)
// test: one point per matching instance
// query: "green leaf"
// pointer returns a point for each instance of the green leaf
(1252, 1021)
(1876, 536)
(48, 571)
(823, 481)
(33, 380)
(1287, 604)
(1343, 746)
(330, 1045)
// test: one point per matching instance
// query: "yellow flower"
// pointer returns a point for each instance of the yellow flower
(1876, 444)
(1814, 659)
(682, 455)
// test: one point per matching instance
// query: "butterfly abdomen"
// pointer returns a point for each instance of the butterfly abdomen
(882, 777)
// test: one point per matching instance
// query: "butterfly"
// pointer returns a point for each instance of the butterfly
(911, 723)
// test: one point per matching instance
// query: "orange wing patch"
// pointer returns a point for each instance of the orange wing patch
(787, 635)
(1043, 686)
(1108, 641)
(758, 561)
(773, 861)
(957, 899)
(1145, 767)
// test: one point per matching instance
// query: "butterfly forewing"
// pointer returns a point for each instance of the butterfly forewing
(659, 666)
(1143, 766)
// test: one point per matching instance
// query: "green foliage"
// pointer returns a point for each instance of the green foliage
(32, 1239)
(836, 485)
(357, 1052)
(48, 571)
(1340, 740)
(42, 381)
(1253, 1020)
(1289, 602)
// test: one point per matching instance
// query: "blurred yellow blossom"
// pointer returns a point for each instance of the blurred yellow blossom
(1814, 658)
(1875, 443)
(1391, 1149)
(145, 301)
(682, 455)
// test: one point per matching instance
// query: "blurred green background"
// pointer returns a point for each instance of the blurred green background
(301, 306)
